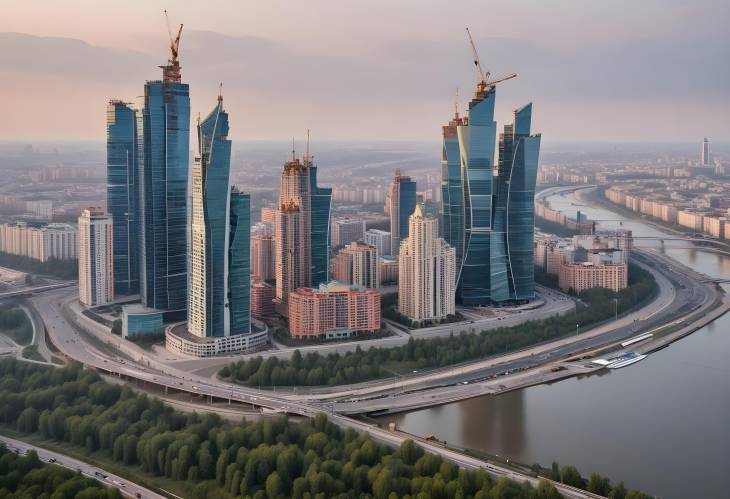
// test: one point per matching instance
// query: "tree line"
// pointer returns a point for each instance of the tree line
(15, 323)
(27, 476)
(314, 369)
(54, 267)
(216, 459)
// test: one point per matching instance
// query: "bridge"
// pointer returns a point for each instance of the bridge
(27, 291)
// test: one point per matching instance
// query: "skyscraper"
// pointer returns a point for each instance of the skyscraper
(488, 215)
(218, 294)
(164, 127)
(400, 203)
(302, 229)
(427, 271)
(122, 195)
(263, 256)
(96, 258)
(705, 158)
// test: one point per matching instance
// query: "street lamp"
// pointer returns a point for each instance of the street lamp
(577, 326)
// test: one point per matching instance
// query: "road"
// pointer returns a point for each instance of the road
(127, 488)
(76, 345)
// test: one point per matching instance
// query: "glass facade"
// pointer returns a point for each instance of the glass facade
(122, 196)
(321, 206)
(239, 269)
(488, 214)
(163, 195)
(402, 198)
(218, 295)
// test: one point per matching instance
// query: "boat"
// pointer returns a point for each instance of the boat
(625, 360)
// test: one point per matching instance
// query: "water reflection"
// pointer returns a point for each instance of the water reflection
(661, 425)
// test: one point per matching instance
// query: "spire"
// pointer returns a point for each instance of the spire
(418, 212)
(456, 104)
(306, 154)
(220, 92)
(293, 151)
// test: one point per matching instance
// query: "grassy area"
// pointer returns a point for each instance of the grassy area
(103, 461)
(15, 323)
(31, 352)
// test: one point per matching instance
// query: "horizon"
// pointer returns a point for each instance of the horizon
(592, 73)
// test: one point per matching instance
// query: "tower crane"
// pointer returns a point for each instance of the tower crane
(174, 42)
(484, 82)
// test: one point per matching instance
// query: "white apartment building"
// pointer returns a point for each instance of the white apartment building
(96, 258)
(380, 239)
(427, 271)
(55, 240)
(347, 230)
(357, 264)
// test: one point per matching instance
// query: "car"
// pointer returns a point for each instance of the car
(52, 460)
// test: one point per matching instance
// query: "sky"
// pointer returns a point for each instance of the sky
(624, 70)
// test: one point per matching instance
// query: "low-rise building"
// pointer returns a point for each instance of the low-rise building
(333, 310)
(586, 275)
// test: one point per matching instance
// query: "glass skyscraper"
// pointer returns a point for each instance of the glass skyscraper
(321, 207)
(401, 201)
(122, 193)
(218, 294)
(163, 180)
(488, 214)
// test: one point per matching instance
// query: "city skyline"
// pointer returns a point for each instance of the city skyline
(604, 75)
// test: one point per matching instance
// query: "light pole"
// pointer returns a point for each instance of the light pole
(577, 326)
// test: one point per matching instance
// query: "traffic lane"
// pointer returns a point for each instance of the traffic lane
(126, 487)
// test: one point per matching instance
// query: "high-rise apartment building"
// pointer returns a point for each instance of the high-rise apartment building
(219, 288)
(427, 271)
(347, 230)
(122, 194)
(96, 258)
(488, 206)
(357, 264)
(705, 158)
(380, 239)
(400, 203)
(301, 230)
(263, 257)
(164, 131)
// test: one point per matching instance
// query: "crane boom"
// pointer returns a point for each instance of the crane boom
(174, 42)
(477, 63)
(501, 79)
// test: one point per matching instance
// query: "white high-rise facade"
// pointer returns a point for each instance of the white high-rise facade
(380, 239)
(96, 258)
(427, 271)
(357, 264)
(347, 230)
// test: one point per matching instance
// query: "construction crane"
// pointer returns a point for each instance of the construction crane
(174, 42)
(484, 82)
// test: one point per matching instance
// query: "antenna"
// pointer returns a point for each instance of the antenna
(456, 104)
(220, 92)
(293, 151)
(306, 155)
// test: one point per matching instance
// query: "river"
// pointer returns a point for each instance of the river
(661, 425)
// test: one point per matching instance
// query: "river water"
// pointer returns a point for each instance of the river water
(661, 425)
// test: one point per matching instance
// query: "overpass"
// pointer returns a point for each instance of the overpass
(31, 290)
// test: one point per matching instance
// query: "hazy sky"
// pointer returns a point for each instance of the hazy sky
(652, 70)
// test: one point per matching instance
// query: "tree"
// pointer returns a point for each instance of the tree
(570, 476)
(598, 485)
(274, 486)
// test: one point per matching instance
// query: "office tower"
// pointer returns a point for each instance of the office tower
(705, 158)
(262, 300)
(96, 258)
(488, 215)
(400, 203)
(218, 294)
(334, 310)
(263, 256)
(122, 195)
(164, 129)
(301, 229)
(357, 264)
(380, 239)
(347, 230)
(427, 271)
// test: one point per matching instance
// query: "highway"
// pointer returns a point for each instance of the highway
(75, 345)
(127, 488)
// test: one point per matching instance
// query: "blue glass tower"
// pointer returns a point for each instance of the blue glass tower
(122, 195)
(488, 214)
(218, 293)
(402, 198)
(163, 173)
(321, 200)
